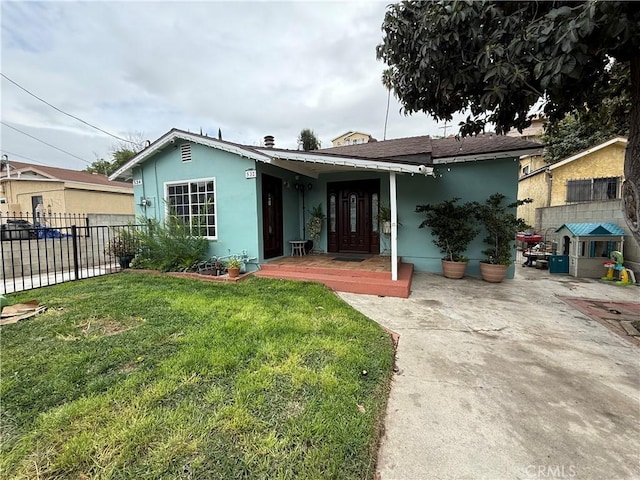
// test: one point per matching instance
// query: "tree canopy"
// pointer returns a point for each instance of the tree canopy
(121, 153)
(308, 140)
(498, 60)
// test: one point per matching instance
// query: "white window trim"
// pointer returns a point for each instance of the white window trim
(188, 181)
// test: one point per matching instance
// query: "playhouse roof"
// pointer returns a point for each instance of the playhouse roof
(593, 229)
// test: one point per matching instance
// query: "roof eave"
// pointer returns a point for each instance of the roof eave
(357, 163)
(487, 156)
(175, 134)
(588, 151)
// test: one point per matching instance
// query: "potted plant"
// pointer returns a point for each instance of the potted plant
(453, 227)
(314, 224)
(384, 219)
(123, 247)
(502, 226)
(233, 267)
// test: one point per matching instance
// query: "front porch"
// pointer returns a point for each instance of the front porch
(366, 274)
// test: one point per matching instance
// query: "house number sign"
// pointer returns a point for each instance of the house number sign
(137, 181)
(249, 174)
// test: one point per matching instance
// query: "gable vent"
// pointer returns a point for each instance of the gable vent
(185, 152)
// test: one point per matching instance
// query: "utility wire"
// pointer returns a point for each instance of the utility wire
(65, 113)
(42, 141)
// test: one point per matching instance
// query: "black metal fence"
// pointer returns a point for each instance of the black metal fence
(35, 257)
(43, 219)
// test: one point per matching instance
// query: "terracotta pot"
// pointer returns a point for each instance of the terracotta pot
(493, 273)
(453, 269)
(233, 272)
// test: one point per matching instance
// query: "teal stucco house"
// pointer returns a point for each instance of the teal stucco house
(258, 198)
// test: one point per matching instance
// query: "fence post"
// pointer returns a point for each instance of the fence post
(74, 242)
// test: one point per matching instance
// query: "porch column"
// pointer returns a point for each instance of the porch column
(394, 226)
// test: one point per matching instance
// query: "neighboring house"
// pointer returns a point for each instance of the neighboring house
(531, 163)
(24, 186)
(258, 199)
(593, 175)
(533, 132)
(584, 187)
(352, 138)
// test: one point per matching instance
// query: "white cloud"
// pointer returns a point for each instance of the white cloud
(249, 68)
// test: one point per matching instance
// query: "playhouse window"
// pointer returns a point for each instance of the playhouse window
(194, 203)
(602, 248)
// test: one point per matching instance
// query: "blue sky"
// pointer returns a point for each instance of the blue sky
(248, 68)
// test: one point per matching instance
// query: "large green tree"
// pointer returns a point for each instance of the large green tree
(580, 130)
(121, 153)
(308, 140)
(497, 60)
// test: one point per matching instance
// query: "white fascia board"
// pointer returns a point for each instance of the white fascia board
(295, 167)
(487, 156)
(168, 138)
(621, 140)
(349, 162)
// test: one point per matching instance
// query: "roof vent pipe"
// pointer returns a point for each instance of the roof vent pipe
(269, 142)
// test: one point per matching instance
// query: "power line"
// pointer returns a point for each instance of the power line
(42, 141)
(65, 113)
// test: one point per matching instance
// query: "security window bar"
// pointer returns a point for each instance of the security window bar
(193, 203)
(185, 152)
(593, 190)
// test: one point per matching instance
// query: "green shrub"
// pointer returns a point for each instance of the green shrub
(452, 225)
(501, 225)
(169, 246)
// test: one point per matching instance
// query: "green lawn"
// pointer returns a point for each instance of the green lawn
(145, 376)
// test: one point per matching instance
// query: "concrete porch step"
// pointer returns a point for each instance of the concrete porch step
(344, 280)
(343, 272)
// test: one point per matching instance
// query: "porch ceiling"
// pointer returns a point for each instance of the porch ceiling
(313, 165)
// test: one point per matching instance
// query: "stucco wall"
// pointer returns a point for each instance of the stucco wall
(473, 181)
(106, 219)
(607, 162)
(534, 162)
(87, 201)
(19, 192)
(236, 196)
(535, 187)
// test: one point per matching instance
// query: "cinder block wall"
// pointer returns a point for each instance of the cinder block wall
(551, 218)
(110, 219)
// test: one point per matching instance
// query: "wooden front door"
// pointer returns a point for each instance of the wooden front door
(272, 216)
(352, 211)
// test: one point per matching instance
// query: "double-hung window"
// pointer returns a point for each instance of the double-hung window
(194, 202)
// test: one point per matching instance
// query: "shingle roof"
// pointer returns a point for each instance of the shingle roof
(487, 143)
(435, 147)
(595, 229)
(67, 175)
(384, 149)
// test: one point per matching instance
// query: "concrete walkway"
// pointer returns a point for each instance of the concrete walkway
(507, 381)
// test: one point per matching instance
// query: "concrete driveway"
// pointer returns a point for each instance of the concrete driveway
(507, 381)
